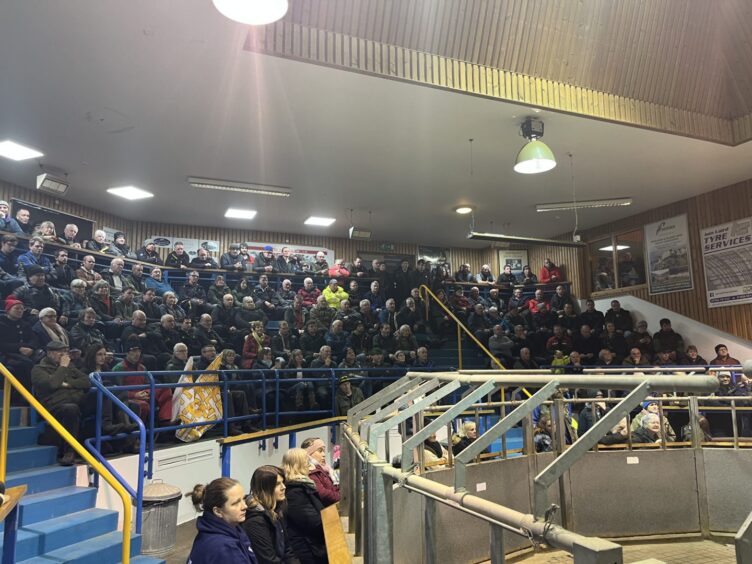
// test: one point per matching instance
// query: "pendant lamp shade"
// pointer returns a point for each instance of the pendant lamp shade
(252, 12)
(534, 157)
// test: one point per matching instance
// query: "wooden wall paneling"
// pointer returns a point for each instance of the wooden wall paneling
(711, 208)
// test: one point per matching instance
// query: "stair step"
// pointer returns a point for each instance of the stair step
(42, 479)
(23, 458)
(145, 560)
(27, 544)
(73, 528)
(55, 503)
(104, 548)
(22, 436)
(15, 415)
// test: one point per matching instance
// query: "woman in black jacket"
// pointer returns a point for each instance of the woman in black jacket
(306, 531)
(264, 520)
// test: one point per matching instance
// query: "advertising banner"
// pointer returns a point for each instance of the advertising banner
(727, 262)
(669, 263)
(191, 245)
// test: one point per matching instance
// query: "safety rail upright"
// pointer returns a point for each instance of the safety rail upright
(12, 382)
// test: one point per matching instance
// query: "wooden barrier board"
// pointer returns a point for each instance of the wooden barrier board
(334, 534)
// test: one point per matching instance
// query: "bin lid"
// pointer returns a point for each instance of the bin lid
(159, 491)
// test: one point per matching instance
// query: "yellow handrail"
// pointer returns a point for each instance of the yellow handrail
(71, 440)
(460, 327)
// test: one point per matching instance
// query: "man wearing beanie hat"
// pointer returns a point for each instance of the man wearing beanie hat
(36, 293)
(232, 259)
(148, 253)
(348, 395)
(18, 343)
(7, 223)
(265, 261)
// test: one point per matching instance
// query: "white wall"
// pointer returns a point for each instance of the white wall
(186, 465)
(704, 337)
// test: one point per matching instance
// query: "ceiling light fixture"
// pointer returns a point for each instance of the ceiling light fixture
(237, 213)
(51, 184)
(130, 192)
(320, 221)
(235, 186)
(522, 240)
(16, 152)
(463, 210)
(252, 12)
(535, 156)
(610, 248)
(584, 204)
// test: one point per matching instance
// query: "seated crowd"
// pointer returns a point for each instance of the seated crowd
(361, 318)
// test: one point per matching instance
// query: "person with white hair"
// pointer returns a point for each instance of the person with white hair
(649, 430)
(114, 277)
(485, 276)
(99, 243)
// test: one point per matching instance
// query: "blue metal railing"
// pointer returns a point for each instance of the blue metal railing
(147, 432)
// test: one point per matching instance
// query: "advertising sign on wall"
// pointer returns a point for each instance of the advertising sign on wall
(515, 259)
(669, 263)
(727, 261)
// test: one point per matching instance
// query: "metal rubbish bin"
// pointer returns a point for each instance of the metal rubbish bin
(159, 519)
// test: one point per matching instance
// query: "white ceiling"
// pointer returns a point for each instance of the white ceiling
(148, 93)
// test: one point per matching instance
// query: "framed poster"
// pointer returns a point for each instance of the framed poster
(436, 255)
(191, 245)
(515, 259)
(669, 262)
(727, 262)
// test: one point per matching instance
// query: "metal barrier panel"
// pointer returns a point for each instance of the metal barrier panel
(618, 494)
(408, 526)
(465, 538)
(727, 475)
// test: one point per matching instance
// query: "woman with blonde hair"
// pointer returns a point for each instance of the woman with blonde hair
(265, 518)
(303, 509)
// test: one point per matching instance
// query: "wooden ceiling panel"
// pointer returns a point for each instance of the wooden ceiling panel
(691, 55)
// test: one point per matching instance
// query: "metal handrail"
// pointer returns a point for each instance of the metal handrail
(460, 327)
(138, 493)
(11, 380)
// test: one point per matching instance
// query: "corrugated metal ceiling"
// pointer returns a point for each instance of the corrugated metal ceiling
(691, 55)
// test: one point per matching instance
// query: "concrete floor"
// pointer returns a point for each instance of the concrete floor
(686, 552)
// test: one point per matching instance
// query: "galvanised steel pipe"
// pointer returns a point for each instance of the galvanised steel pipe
(657, 383)
(553, 535)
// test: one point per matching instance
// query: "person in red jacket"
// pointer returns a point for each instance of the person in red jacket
(309, 293)
(321, 474)
(163, 396)
(550, 273)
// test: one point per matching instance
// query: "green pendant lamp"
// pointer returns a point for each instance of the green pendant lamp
(535, 156)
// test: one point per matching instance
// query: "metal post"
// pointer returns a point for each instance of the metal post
(459, 345)
(378, 514)
(9, 536)
(497, 545)
(358, 504)
(430, 532)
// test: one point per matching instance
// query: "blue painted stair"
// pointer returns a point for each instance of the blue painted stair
(58, 521)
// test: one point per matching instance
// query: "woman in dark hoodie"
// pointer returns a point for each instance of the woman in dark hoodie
(303, 510)
(264, 519)
(220, 538)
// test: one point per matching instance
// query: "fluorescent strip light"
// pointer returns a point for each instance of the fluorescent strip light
(130, 192)
(561, 206)
(522, 240)
(320, 221)
(235, 213)
(234, 186)
(610, 248)
(15, 152)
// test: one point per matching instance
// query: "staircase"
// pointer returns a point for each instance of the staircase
(448, 355)
(58, 521)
